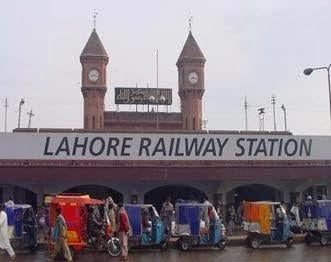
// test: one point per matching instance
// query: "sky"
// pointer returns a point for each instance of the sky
(255, 48)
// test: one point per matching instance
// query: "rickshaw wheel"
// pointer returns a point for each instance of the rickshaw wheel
(164, 245)
(289, 242)
(184, 245)
(323, 241)
(255, 243)
(114, 250)
(221, 244)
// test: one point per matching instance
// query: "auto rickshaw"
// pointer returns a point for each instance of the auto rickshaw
(22, 227)
(316, 221)
(192, 229)
(148, 229)
(266, 223)
(74, 209)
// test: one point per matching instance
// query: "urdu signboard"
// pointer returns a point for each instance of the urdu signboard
(143, 96)
(151, 146)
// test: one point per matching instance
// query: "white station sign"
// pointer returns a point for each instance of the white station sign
(122, 146)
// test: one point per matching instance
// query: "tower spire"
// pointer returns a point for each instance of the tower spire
(95, 19)
(190, 22)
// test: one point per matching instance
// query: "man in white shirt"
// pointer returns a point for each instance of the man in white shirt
(4, 237)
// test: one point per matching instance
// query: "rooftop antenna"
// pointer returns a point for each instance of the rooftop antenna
(261, 112)
(95, 19)
(30, 116)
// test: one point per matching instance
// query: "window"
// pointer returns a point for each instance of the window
(93, 122)
(186, 123)
(193, 123)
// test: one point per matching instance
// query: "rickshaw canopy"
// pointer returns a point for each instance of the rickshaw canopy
(74, 199)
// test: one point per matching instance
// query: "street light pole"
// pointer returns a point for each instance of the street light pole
(284, 109)
(19, 112)
(308, 71)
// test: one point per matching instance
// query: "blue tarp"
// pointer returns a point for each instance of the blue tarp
(318, 209)
(15, 218)
(134, 213)
(190, 215)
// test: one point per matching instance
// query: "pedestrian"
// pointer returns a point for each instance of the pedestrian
(4, 237)
(112, 217)
(205, 216)
(230, 219)
(123, 231)
(240, 213)
(166, 214)
(284, 206)
(60, 236)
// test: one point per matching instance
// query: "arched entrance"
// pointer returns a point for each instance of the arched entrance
(318, 192)
(158, 195)
(19, 194)
(253, 192)
(96, 191)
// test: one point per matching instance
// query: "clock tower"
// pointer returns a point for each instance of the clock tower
(94, 60)
(191, 87)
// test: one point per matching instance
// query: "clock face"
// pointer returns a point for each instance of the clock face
(93, 75)
(193, 78)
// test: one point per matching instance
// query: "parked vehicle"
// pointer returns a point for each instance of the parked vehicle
(147, 228)
(194, 229)
(266, 223)
(74, 209)
(316, 221)
(22, 227)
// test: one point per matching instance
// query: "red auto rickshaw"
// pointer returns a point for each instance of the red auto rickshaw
(74, 209)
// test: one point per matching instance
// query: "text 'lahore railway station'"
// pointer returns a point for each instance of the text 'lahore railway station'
(147, 156)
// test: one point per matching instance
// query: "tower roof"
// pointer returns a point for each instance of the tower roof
(191, 50)
(94, 46)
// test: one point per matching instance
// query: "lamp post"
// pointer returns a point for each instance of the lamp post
(284, 110)
(19, 112)
(308, 71)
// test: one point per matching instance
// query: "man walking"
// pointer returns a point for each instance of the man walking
(60, 236)
(4, 237)
(166, 214)
(123, 230)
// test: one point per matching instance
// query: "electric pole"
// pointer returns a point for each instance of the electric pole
(30, 116)
(6, 107)
(284, 110)
(261, 112)
(246, 119)
(273, 102)
(19, 112)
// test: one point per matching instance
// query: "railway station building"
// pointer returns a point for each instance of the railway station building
(147, 156)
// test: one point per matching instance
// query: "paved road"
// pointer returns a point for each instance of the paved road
(299, 252)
